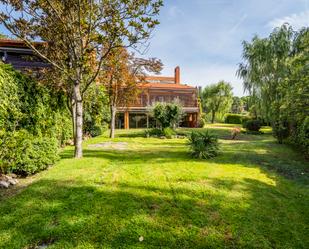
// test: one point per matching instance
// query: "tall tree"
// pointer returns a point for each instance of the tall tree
(121, 77)
(275, 73)
(78, 35)
(237, 105)
(217, 98)
(265, 70)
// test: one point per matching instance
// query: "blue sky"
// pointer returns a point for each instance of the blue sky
(204, 37)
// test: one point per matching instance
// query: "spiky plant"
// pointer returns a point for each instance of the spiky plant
(203, 145)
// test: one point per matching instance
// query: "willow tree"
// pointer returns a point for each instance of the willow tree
(217, 98)
(275, 72)
(77, 36)
(265, 70)
(124, 72)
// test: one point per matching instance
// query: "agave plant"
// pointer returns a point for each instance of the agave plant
(203, 145)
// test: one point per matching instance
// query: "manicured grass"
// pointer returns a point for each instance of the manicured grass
(254, 195)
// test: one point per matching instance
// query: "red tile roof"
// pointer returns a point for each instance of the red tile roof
(165, 86)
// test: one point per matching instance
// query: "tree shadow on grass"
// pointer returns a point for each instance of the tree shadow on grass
(131, 156)
(268, 157)
(72, 214)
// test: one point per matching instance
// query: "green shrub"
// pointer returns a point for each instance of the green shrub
(245, 118)
(202, 121)
(280, 131)
(27, 104)
(303, 136)
(203, 145)
(25, 154)
(167, 114)
(231, 118)
(299, 136)
(155, 132)
(96, 114)
(168, 132)
(62, 128)
(96, 131)
(34, 121)
(252, 125)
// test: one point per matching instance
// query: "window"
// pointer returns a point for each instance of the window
(137, 120)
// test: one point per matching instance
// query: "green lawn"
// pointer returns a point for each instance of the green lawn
(254, 195)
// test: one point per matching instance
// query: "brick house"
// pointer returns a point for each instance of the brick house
(160, 89)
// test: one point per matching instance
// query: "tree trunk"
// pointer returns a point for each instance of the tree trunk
(73, 117)
(112, 123)
(213, 116)
(78, 121)
(72, 110)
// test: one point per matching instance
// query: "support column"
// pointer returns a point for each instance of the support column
(190, 120)
(126, 120)
(195, 120)
(147, 116)
(148, 98)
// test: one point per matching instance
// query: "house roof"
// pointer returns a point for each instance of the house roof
(166, 86)
(16, 43)
(163, 82)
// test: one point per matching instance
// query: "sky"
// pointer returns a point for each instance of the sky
(204, 37)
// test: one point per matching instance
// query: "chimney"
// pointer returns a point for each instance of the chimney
(177, 75)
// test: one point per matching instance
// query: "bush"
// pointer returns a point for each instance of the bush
(252, 125)
(24, 154)
(62, 129)
(155, 132)
(202, 121)
(96, 114)
(303, 136)
(235, 118)
(34, 121)
(167, 114)
(26, 104)
(245, 118)
(280, 131)
(203, 145)
(169, 132)
(96, 131)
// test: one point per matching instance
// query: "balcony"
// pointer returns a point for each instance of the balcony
(185, 100)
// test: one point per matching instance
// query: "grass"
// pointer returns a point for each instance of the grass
(253, 195)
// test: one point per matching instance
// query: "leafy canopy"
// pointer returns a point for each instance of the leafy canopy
(217, 98)
(275, 73)
(167, 114)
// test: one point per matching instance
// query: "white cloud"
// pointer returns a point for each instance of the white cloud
(297, 21)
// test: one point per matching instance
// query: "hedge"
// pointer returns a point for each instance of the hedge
(231, 118)
(252, 125)
(25, 154)
(34, 122)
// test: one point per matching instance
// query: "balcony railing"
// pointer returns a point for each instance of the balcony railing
(186, 101)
